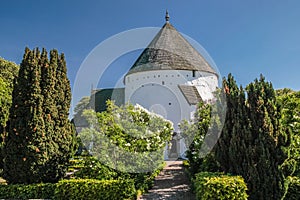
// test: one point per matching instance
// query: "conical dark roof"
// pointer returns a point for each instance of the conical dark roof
(169, 50)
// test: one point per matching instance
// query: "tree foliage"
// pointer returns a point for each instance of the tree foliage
(8, 72)
(194, 133)
(202, 133)
(84, 104)
(41, 138)
(4, 102)
(290, 103)
(126, 138)
(256, 137)
(252, 140)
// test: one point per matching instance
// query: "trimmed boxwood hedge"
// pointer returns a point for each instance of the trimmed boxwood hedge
(32, 191)
(72, 190)
(95, 189)
(209, 185)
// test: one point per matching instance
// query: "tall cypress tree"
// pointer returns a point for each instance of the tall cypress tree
(26, 123)
(56, 110)
(267, 139)
(251, 141)
(38, 145)
(232, 92)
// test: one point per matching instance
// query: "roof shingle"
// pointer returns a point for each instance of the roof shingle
(169, 50)
(191, 94)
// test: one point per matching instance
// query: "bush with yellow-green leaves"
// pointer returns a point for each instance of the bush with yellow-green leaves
(219, 186)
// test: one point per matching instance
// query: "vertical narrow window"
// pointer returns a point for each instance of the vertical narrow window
(194, 73)
(162, 82)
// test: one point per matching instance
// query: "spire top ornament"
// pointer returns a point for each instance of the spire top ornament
(167, 17)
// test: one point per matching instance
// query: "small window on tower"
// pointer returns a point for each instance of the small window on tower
(194, 73)
(162, 82)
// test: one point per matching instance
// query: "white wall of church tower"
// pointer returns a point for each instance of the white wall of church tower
(158, 91)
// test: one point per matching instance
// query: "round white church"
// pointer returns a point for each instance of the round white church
(169, 78)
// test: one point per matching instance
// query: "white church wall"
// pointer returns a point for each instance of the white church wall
(158, 91)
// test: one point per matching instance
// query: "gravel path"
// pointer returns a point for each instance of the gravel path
(171, 183)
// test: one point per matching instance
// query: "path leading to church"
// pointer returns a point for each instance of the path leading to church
(171, 183)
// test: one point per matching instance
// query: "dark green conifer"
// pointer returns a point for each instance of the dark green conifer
(251, 141)
(40, 139)
(26, 124)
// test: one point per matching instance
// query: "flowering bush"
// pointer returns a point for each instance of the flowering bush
(126, 138)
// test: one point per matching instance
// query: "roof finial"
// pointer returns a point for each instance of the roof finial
(167, 16)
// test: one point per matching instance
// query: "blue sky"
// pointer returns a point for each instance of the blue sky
(246, 38)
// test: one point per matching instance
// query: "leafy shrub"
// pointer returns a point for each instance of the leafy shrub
(72, 190)
(293, 192)
(94, 169)
(210, 185)
(126, 138)
(33, 191)
(95, 189)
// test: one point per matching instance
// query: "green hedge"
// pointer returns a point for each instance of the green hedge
(72, 190)
(33, 191)
(94, 169)
(95, 189)
(210, 185)
(293, 192)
